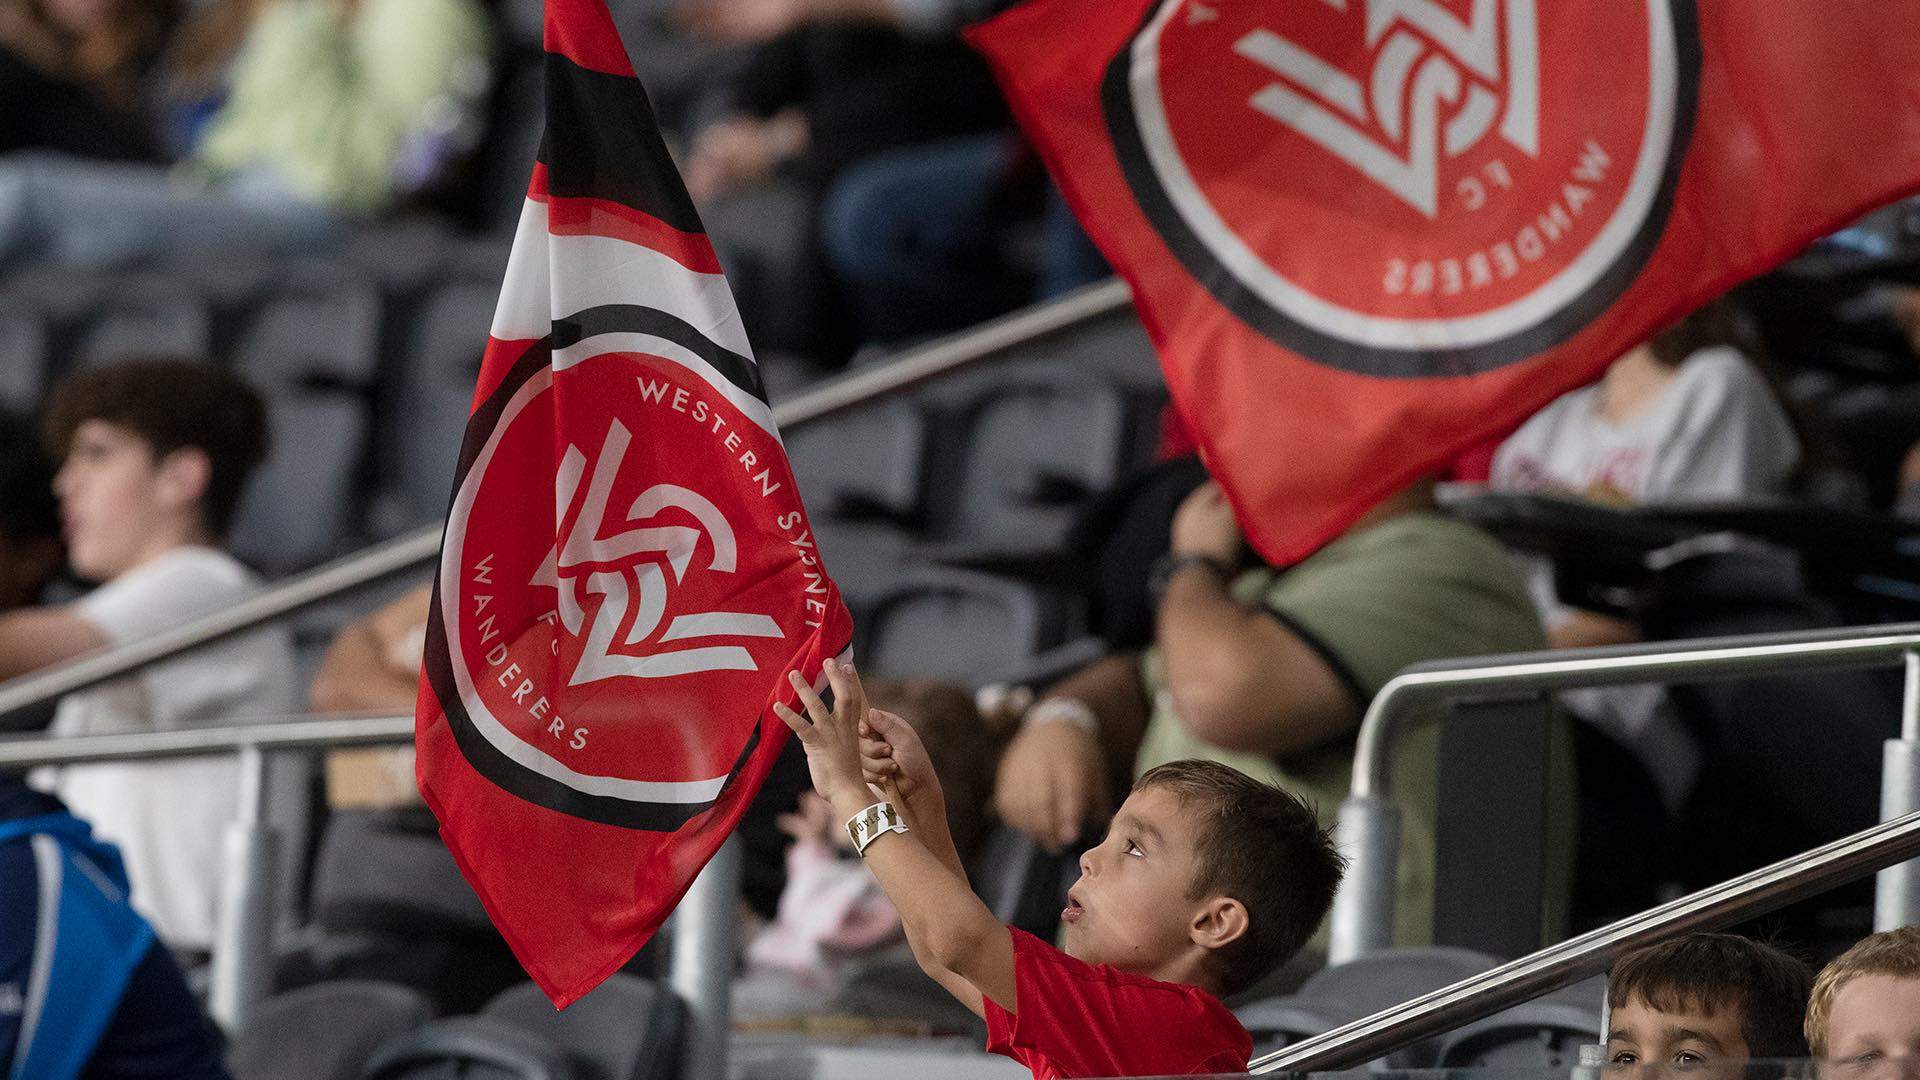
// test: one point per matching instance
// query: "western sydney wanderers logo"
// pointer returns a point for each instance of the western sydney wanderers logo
(1407, 188)
(625, 549)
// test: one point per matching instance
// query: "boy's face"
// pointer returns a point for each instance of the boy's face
(1873, 1029)
(111, 493)
(1641, 1036)
(1130, 907)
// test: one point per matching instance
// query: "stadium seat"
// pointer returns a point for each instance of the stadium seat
(432, 393)
(324, 1032)
(372, 873)
(864, 559)
(865, 466)
(23, 356)
(952, 624)
(628, 1028)
(143, 317)
(1543, 1034)
(469, 1048)
(1017, 460)
(1360, 988)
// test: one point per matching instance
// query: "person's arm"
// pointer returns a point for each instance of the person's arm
(33, 638)
(1056, 774)
(893, 759)
(1240, 678)
(955, 939)
(371, 665)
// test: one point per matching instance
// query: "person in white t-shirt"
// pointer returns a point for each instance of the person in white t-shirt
(153, 456)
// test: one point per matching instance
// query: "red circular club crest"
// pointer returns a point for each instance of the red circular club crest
(623, 552)
(1408, 188)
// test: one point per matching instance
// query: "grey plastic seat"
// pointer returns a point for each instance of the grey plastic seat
(957, 625)
(628, 1028)
(370, 875)
(469, 1048)
(419, 445)
(1359, 988)
(1019, 458)
(23, 356)
(320, 325)
(146, 316)
(299, 506)
(866, 465)
(1545, 1033)
(324, 1032)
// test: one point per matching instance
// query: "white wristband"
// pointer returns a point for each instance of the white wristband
(1063, 711)
(866, 826)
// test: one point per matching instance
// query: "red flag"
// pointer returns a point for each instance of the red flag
(1365, 234)
(627, 574)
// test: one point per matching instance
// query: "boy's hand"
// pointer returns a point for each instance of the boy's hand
(831, 737)
(892, 757)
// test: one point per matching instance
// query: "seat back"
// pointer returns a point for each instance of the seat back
(372, 875)
(468, 1048)
(433, 392)
(957, 625)
(144, 317)
(628, 1028)
(1359, 988)
(23, 356)
(1545, 1033)
(324, 1032)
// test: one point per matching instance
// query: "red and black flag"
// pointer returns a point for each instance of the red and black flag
(627, 574)
(1366, 235)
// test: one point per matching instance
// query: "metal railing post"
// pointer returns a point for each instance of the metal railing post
(703, 951)
(1368, 834)
(243, 935)
(1896, 892)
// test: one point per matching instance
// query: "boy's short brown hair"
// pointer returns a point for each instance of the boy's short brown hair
(1891, 952)
(172, 404)
(1261, 846)
(1706, 973)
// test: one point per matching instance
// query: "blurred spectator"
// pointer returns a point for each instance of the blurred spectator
(1704, 1000)
(808, 105)
(85, 989)
(1269, 669)
(328, 110)
(153, 455)
(374, 664)
(74, 75)
(1865, 1011)
(759, 20)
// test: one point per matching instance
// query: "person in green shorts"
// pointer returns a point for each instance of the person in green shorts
(1269, 670)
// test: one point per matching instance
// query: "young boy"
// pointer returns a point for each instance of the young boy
(153, 456)
(1706, 999)
(1865, 1011)
(1206, 881)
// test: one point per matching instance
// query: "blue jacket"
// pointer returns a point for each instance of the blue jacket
(85, 988)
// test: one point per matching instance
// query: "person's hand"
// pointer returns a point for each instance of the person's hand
(1205, 525)
(831, 737)
(735, 152)
(893, 758)
(742, 21)
(1052, 779)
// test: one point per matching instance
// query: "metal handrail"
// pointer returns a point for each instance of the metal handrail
(418, 550)
(1368, 829)
(1744, 897)
(307, 731)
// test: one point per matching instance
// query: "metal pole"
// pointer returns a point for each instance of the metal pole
(1896, 893)
(1368, 834)
(243, 936)
(703, 951)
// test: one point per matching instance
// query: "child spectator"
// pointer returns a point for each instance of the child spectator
(1865, 1011)
(1706, 999)
(153, 456)
(1206, 881)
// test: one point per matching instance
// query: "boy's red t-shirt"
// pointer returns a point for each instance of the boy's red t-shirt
(1077, 1019)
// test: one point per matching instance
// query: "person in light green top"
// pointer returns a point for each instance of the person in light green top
(1270, 670)
(330, 110)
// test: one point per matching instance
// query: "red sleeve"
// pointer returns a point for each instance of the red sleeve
(1074, 1019)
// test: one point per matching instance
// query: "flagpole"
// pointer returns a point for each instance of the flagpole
(702, 971)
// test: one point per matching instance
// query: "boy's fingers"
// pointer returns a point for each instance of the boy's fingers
(800, 726)
(817, 709)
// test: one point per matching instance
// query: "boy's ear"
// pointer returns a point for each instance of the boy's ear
(184, 475)
(1219, 921)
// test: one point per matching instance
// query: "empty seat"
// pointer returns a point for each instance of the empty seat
(320, 327)
(957, 625)
(865, 465)
(1019, 459)
(628, 1028)
(1359, 988)
(373, 873)
(324, 1032)
(1542, 1034)
(143, 317)
(299, 506)
(865, 559)
(432, 394)
(468, 1048)
(23, 356)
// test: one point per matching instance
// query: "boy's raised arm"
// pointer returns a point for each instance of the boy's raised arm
(957, 941)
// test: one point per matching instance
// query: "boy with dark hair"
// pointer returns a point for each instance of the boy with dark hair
(1206, 881)
(1705, 999)
(153, 456)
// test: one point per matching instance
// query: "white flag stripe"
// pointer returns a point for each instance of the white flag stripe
(625, 341)
(591, 271)
(721, 624)
(522, 313)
